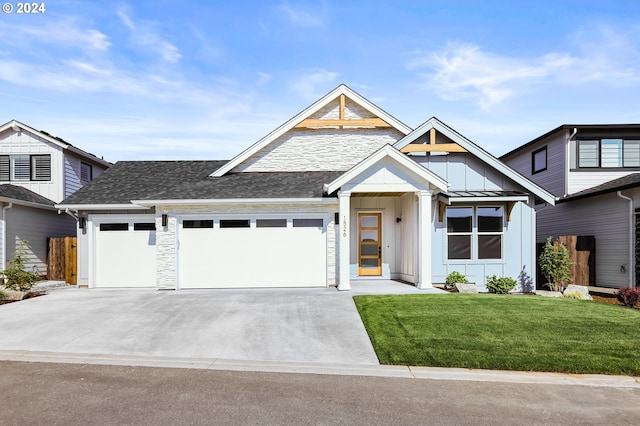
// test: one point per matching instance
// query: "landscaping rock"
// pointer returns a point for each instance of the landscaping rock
(466, 288)
(580, 289)
(547, 293)
(12, 295)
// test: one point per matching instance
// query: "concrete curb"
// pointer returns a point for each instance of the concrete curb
(391, 371)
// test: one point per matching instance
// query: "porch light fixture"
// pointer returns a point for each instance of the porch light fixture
(336, 218)
(165, 220)
(82, 223)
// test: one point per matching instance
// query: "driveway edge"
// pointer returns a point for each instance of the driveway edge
(391, 371)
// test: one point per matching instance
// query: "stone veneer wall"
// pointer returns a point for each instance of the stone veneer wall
(166, 236)
(325, 149)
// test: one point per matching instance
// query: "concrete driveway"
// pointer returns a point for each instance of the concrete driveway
(291, 325)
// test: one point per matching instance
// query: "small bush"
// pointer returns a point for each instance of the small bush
(574, 295)
(2, 295)
(554, 263)
(628, 296)
(16, 278)
(502, 285)
(453, 278)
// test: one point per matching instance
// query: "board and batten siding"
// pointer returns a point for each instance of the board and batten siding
(606, 217)
(519, 257)
(24, 142)
(552, 179)
(35, 226)
(465, 172)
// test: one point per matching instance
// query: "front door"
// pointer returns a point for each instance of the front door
(369, 244)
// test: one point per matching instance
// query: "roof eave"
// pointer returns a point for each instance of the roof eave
(318, 200)
(100, 207)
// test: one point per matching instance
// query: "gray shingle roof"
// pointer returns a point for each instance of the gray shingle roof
(19, 193)
(181, 180)
(626, 182)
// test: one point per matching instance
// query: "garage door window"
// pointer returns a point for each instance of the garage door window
(271, 223)
(147, 226)
(234, 223)
(114, 227)
(308, 223)
(197, 224)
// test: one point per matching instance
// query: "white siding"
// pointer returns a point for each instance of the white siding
(552, 179)
(607, 218)
(319, 150)
(35, 226)
(24, 142)
(581, 180)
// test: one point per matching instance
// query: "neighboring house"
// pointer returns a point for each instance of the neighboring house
(594, 171)
(343, 191)
(38, 170)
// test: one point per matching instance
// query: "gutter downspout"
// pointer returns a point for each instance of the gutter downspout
(567, 162)
(4, 235)
(631, 263)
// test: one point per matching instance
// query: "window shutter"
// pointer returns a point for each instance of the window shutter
(41, 167)
(5, 175)
(86, 173)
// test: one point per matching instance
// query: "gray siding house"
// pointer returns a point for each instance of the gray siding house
(594, 171)
(341, 192)
(38, 170)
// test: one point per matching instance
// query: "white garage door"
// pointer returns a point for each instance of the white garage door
(125, 252)
(252, 252)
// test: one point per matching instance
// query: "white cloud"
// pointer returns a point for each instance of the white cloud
(302, 18)
(64, 32)
(466, 71)
(306, 86)
(144, 35)
(263, 78)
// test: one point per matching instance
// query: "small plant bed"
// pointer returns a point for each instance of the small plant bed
(502, 332)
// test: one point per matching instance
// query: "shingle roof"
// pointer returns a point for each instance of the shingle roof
(182, 180)
(19, 193)
(626, 182)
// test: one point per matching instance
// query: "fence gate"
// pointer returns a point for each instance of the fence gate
(62, 263)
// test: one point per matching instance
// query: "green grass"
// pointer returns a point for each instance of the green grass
(504, 332)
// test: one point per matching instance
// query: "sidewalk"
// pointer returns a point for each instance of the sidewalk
(389, 371)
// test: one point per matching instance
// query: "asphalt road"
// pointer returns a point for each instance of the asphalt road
(70, 394)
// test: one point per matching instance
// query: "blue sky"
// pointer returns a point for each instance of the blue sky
(205, 79)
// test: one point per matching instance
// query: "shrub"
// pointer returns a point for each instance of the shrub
(2, 295)
(16, 278)
(574, 295)
(628, 296)
(453, 278)
(500, 285)
(554, 264)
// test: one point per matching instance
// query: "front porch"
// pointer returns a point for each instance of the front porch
(384, 220)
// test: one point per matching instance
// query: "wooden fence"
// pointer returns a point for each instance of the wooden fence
(582, 252)
(62, 259)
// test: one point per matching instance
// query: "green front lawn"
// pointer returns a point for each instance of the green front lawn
(503, 332)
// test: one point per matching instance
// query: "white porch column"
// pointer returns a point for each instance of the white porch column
(424, 240)
(343, 246)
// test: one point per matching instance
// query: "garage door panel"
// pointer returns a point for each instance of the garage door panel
(125, 258)
(252, 257)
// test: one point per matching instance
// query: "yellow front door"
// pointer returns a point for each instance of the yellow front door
(369, 243)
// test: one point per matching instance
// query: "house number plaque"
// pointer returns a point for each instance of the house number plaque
(344, 226)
